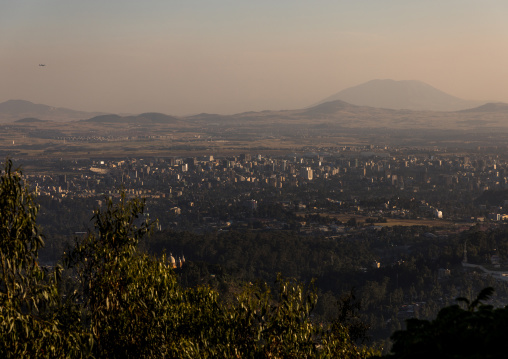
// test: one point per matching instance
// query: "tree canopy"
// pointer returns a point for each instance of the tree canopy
(476, 331)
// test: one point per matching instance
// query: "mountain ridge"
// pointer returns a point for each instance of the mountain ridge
(333, 111)
(489, 107)
(12, 110)
(406, 94)
(147, 117)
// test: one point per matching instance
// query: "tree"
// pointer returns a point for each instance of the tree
(348, 307)
(32, 314)
(136, 308)
(123, 291)
(478, 331)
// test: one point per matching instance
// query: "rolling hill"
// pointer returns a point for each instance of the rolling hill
(144, 119)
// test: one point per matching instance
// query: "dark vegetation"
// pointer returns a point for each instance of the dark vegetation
(476, 331)
(418, 276)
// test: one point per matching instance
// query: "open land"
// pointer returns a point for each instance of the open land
(387, 222)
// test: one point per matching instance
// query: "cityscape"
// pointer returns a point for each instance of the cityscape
(234, 179)
(416, 214)
(322, 180)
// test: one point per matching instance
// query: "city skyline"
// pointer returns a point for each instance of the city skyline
(228, 57)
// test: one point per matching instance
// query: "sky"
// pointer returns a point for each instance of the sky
(183, 57)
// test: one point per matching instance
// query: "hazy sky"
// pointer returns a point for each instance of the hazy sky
(189, 56)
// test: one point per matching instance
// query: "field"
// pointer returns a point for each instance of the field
(85, 140)
(390, 222)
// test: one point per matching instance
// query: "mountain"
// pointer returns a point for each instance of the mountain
(489, 107)
(13, 107)
(207, 117)
(144, 118)
(329, 107)
(30, 120)
(411, 95)
(105, 119)
(13, 110)
(157, 117)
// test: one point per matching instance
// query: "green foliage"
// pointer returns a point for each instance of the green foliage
(136, 308)
(19, 239)
(31, 312)
(409, 275)
(123, 291)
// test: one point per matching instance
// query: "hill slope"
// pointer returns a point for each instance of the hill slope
(499, 107)
(13, 110)
(411, 95)
(142, 119)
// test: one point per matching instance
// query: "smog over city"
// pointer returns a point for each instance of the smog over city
(253, 179)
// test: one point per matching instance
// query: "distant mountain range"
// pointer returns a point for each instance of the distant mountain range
(410, 95)
(13, 110)
(151, 117)
(499, 107)
(377, 103)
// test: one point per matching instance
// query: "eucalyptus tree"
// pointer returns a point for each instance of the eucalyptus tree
(33, 315)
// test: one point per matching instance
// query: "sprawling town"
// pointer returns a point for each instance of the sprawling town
(358, 181)
(411, 228)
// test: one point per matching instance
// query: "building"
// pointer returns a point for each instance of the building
(307, 173)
